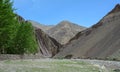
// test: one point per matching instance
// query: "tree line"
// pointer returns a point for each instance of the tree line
(16, 37)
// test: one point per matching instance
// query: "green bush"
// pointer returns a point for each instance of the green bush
(116, 70)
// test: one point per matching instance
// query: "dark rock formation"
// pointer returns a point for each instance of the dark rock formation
(48, 46)
(102, 40)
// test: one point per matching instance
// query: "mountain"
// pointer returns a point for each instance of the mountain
(41, 26)
(64, 31)
(61, 33)
(101, 41)
(48, 46)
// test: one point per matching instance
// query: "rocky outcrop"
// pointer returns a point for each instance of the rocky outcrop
(102, 40)
(64, 31)
(48, 46)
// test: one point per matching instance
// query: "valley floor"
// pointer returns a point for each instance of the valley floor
(58, 65)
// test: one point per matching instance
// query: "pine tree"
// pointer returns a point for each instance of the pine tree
(31, 40)
(7, 25)
(25, 39)
(16, 37)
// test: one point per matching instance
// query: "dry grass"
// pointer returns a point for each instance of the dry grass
(47, 65)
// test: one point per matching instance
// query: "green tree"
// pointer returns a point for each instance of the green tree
(25, 39)
(7, 25)
(16, 36)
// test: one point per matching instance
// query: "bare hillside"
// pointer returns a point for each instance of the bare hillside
(64, 31)
(102, 40)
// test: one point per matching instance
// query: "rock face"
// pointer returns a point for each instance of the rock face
(102, 40)
(64, 31)
(48, 46)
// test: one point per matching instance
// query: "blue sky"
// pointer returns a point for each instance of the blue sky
(51, 12)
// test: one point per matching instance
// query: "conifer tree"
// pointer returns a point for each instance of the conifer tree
(7, 25)
(25, 39)
(16, 37)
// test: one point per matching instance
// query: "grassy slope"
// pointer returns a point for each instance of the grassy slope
(47, 65)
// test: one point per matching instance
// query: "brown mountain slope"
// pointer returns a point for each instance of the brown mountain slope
(64, 31)
(41, 26)
(99, 41)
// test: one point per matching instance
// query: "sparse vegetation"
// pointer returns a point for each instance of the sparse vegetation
(47, 65)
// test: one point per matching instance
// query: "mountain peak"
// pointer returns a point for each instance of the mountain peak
(64, 31)
(65, 22)
(115, 9)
